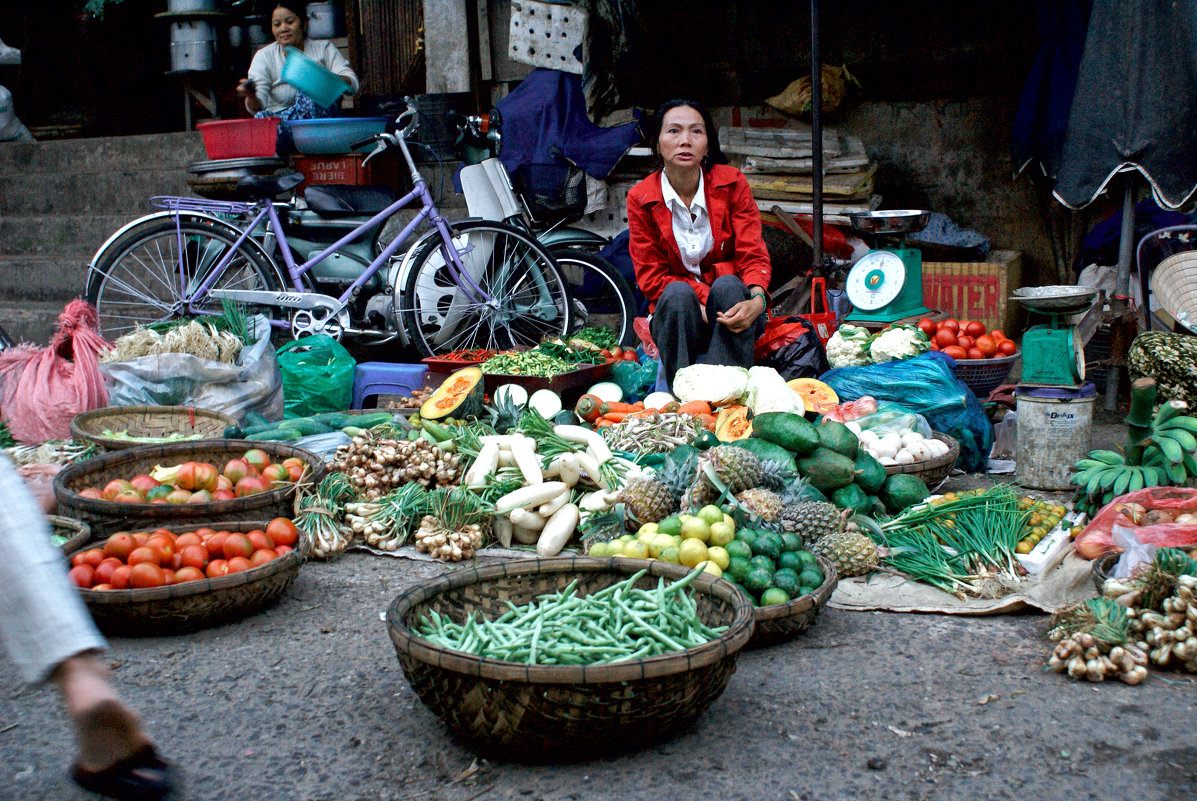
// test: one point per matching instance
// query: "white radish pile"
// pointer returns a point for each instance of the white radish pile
(893, 448)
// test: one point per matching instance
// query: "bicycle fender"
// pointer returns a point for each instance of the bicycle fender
(226, 227)
(557, 238)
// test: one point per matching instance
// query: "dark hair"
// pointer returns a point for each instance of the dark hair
(714, 152)
(303, 17)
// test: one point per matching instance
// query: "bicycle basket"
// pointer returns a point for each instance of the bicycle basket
(554, 192)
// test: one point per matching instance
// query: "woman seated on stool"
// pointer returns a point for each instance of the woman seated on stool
(263, 98)
(696, 246)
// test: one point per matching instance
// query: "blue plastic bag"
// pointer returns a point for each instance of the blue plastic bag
(927, 386)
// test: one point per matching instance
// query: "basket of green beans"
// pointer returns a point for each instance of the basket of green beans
(549, 660)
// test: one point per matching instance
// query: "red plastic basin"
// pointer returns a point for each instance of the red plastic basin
(235, 139)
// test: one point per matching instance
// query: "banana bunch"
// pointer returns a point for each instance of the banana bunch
(1168, 459)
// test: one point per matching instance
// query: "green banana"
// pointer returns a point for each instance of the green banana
(1168, 411)
(1171, 450)
(1109, 496)
(1093, 485)
(1152, 456)
(1087, 464)
(1176, 474)
(1185, 423)
(1183, 438)
(1189, 462)
(1121, 483)
(1136, 480)
(1107, 457)
(1152, 477)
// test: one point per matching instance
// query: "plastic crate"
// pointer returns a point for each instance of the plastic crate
(236, 139)
(983, 376)
(350, 170)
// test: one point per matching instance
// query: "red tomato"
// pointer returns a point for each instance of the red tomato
(238, 564)
(934, 346)
(236, 470)
(260, 540)
(188, 574)
(986, 345)
(206, 476)
(82, 576)
(165, 545)
(945, 337)
(927, 327)
(105, 570)
(294, 473)
(251, 485)
(217, 568)
(144, 483)
(215, 544)
(237, 545)
(168, 576)
(190, 538)
(974, 353)
(195, 556)
(103, 587)
(115, 487)
(965, 341)
(91, 492)
(275, 473)
(120, 577)
(164, 532)
(282, 531)
(93, 556)
(283, 550)
(955, 351)
(185, 476)
(146, 574)
(144, 554)
(140, 538)
(605, 353)
(262, 556)
(630, 356)
(223, 483)
(256, 458)
(950, 323)
(617, 353)
(224, 495)
(176, 561)
(1007, 347)
(975, 329)
(996, 335)
(129, 496)
(293, 461)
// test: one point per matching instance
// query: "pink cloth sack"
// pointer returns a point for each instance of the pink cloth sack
(41, 389)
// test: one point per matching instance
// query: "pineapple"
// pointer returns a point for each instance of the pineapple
(811, 520)
(737, 469)
(504, 414)
(652, 498)
(763, 503)
(851, 551)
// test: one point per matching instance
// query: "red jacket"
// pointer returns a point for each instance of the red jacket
(735, 228)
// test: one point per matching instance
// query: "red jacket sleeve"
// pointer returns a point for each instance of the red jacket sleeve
(649, 258)
(751, 257)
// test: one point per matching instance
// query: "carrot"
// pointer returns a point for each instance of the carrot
(615, 417)
(611, 406)
(708, 420)
(587, 407)
(698, 407)
(642, 413)
(603, 422)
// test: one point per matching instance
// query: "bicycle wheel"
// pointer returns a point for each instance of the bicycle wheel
(523, 297)
(150, 273)
(600, 296)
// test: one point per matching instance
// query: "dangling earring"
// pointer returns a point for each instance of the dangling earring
(706, 161)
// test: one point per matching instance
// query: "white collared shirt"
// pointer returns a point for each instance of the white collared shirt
(691, 226)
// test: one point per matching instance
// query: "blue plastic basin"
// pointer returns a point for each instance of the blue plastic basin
(312, 78)
(333, 135)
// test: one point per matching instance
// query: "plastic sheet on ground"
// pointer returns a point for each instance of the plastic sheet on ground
(1069, 582)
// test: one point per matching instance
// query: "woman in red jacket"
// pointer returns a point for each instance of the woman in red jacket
(696, 246)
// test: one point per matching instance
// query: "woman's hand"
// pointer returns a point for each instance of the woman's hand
(247, 89)
(743, 314)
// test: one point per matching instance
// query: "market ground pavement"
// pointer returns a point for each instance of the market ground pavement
(306, 701)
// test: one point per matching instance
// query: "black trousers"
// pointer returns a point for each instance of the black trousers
(682, 338)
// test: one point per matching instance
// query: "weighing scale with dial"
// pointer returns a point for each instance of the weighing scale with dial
(1053, 355)
(886, 284)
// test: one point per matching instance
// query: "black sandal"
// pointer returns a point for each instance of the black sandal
(141, 776)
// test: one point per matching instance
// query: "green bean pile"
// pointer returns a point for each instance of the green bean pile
(529, 362)
(615, 624)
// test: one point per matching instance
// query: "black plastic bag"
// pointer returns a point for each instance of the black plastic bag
(802, 358)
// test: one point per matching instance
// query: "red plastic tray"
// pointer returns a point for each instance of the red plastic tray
(436, 365)
(559, 383)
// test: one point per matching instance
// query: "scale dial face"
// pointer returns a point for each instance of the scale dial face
(876, 280)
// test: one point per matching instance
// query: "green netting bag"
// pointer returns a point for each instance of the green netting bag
(317, 376)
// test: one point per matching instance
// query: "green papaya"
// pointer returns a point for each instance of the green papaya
(903, 490)
(871, 473)
(838, 437)
(791, 431)
(827, 470)
(854, 498)
(768, 451)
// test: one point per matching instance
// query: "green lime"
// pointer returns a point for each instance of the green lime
(739, 548)
(747, 535)
(806, 590)
(787, 580)
(738, 568)
(811, 576)
(791, 542)
(774, 596)
(791, 560)
(758, 580)
(808, 559)
(671, 525)
(763, 563)
(767, 545)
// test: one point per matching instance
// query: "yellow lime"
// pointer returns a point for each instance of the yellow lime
(670, 555)
(626, 538)
(614, 548)
(710, 567)
(648, 527)
(697, 528)
(728, 519)
(677, 540)
(636, 549)
(670, 525)
(692, 551)
(598, 549)
(658, 544)
(684, 518)
(711, 514)
(719, 556)
(721, 533)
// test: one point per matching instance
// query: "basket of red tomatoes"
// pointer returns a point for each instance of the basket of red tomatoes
(179, 579)
(983, 356)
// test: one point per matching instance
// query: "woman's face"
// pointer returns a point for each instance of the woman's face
(683, 139)
(287, 27)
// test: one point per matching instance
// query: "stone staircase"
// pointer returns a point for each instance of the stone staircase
(59, 202)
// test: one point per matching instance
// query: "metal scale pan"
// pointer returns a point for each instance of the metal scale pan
(1056, 300)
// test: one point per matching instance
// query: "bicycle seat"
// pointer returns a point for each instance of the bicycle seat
(336, 200)
(260, 187)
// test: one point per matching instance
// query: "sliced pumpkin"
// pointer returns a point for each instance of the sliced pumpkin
(817, 396)
(733, 424)
(459, 396)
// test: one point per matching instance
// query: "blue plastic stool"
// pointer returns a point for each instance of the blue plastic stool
(377, 378)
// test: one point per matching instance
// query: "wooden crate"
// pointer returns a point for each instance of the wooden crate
(976, 290)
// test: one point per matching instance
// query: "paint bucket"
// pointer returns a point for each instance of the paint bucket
(1055, 426)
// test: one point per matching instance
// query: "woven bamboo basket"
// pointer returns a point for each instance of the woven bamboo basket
(931, 471)
(1103, 568)
(193, 605)
(76, 532)
(550, 713)
(107, 517)
(784, 621)
(147, 422)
